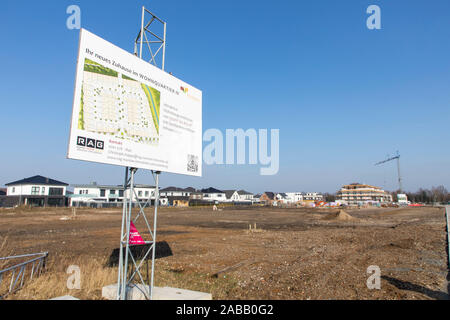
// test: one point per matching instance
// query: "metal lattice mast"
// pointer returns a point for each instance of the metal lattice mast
(149, 37)
(154, 43)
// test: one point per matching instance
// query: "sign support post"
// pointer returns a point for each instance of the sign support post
(124, 280)
(156, 177)
(128, 112)
(125, 274)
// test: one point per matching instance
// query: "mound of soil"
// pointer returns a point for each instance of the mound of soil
(341, 215)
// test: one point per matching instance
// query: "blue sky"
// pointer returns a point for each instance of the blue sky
(343, 96)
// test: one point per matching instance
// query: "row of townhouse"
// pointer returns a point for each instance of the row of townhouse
(290, 198)
(43, 191)
(93, 193)
(183, 196)
(172, 196)
(212, 194)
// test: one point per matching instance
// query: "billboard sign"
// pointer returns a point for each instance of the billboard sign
(128, 112)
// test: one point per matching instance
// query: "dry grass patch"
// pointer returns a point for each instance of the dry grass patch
(95, 275)
(5, 251)
(53, 282)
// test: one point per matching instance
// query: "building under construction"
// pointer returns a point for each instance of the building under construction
(357, 193)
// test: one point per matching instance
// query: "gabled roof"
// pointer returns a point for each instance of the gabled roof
(211, 190)
(243, 192)
(37, 180)
(171, 188)
(229, 193)
(188, 189)
(270, 195)
(283, 195)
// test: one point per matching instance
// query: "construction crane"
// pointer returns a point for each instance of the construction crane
(398, 168)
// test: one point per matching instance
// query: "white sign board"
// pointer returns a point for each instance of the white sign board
(130, 113)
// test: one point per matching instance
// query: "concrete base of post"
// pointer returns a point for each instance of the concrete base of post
(64, 298)
(136, 292)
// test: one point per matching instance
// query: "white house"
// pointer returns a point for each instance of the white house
(142, 192)
(238, 196)
(93, 193)
(314, 196)
(294, 197)
(212, 194)
(245, 195)
(231, 195)
(96, 193)
(281, 197)
(37, 191)
(176, 192)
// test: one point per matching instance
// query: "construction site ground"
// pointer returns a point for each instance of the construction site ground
(253, 252)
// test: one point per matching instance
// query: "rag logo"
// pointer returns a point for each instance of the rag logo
(185, 90)
(90, 143)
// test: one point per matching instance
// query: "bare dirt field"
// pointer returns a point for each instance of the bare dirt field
(288, 254)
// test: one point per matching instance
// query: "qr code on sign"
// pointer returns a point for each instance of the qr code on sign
(192, 164)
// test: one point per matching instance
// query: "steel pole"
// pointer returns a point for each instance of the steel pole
(399, 176)
(142, 31)
(127, 245)
(124, 212)
(154, 231)
(164, 48)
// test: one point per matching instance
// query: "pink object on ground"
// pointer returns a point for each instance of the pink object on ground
(135, 237)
